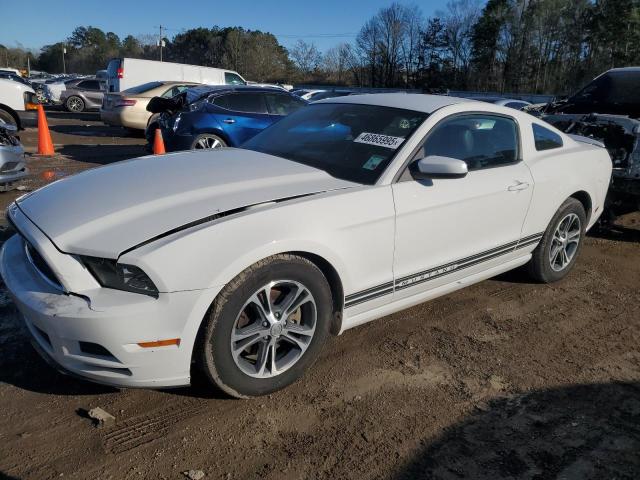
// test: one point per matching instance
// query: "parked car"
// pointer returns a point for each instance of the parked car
(608, 109)
(124, 73)
(13, 71)
(307, 94)
(83, 94)
(242, 261)
(223, 116)
(12, 163)
(55, 86)
(129, 108)
(505, 102)
(18, 103)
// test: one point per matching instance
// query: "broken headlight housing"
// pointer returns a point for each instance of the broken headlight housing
(120, 276)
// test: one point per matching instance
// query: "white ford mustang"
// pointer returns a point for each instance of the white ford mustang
(243, 261)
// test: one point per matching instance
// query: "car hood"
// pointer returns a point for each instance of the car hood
(105, 211)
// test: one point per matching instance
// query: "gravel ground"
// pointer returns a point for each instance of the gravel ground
(505, 379)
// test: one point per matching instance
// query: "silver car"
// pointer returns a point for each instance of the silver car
(12, 164)
(83, 94)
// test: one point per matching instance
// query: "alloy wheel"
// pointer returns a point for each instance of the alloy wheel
(274, 329)
(208, 142)
(75, 104)
(565, 241)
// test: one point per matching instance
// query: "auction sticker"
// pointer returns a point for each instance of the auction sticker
(379, 140)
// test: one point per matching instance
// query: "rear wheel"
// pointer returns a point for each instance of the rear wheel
(556, 254)
(75, 104)
(266, 327)
(207, 140)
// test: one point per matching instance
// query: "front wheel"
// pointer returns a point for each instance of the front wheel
(7, 118)
(266, 327)
(556, 254)
(74, 104)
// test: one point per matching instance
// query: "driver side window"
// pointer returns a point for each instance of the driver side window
(482, 141)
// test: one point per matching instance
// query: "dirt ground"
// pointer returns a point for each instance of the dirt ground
(506, 379)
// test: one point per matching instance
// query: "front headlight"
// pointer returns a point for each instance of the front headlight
(120, 276)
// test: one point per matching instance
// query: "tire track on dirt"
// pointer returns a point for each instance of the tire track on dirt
(146, 428)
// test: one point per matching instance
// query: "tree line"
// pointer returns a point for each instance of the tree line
(532, 46)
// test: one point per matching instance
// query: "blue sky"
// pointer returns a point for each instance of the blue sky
(35, 23)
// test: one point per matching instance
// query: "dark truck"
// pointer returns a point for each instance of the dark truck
(608, 110)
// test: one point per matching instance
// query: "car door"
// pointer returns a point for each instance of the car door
(92, 92)
(449, 228)
(242, 115)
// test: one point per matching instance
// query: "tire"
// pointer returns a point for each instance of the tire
(548, 264)
(236, 309)
(75, 104)
(6, 117)
(206, 141)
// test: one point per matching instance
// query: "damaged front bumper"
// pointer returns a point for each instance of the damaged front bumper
(97, 333)
(12, 163)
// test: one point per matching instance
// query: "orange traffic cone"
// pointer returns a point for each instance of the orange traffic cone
(158, 143)
(45, 144)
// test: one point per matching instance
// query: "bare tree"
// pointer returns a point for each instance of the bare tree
(458, 19)
(307, 57)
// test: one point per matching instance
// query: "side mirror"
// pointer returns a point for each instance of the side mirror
(438, 167)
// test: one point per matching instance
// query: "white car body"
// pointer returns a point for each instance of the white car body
(55, 90)
(15, 98)
(195, 220)
(309, 95)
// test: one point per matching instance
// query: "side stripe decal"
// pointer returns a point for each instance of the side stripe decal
(437, 272)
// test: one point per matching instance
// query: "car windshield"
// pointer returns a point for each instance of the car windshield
(145, 87)
(349, 141)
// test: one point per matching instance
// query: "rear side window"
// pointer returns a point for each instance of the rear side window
(175, 90)
(516, 105)
(482, 141)
(545, 139)
(279, 104)
(90, 85)
(233, 79)
(246, 102)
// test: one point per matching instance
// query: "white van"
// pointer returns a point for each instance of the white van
(123, 73)
(18, 103)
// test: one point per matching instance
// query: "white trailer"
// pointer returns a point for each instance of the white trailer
(123, 73)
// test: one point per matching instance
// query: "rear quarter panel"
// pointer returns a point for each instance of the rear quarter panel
(560, 173)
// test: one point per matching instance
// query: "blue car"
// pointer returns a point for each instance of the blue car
(226, 116)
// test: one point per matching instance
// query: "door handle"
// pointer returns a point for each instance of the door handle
(516, 187)
(229, 121)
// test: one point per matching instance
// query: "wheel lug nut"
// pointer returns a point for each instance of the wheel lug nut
(265, 324)
(277, 314)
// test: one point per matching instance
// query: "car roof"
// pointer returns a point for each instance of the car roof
(624, 69)
(203, 89)
(177, 82)
(409, 101)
